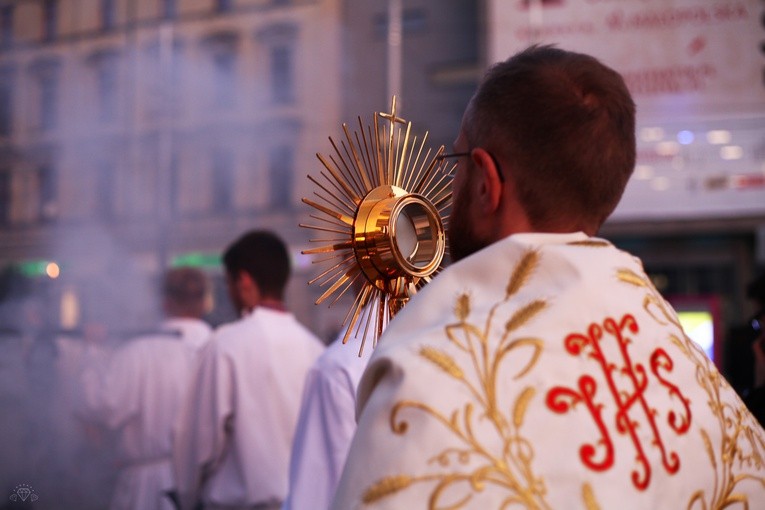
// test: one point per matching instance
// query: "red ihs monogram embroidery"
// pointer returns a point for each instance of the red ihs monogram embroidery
(631, 404)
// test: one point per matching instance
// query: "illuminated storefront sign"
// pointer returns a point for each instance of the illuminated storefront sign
(696, 71)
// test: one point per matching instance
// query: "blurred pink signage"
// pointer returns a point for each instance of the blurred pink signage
(680, 58)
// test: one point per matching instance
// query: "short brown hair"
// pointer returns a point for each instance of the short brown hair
(264, 256)
(566, 124)
(185, 290)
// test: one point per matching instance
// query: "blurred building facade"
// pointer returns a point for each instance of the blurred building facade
(168, 126)
(136, 134)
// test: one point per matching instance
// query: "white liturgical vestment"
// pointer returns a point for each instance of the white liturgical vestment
(139, 392)
(326, 425)
(545, 371)
(233, 439)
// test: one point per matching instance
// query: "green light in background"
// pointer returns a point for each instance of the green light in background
(34, 268)
(196, 259)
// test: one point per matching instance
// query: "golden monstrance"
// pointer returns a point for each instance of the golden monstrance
(380, 205)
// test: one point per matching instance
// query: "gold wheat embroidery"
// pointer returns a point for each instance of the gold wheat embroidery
(742, 446)
(631, 277)
(442, 361)
(386, 487)
(588, 496)
(522, 272)
(590, 243)
(468, 464)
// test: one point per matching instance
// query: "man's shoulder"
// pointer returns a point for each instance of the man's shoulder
(339, 358)
(286, 327)
(149, 340)
(264, 327)
(187, 327)
(230, 333)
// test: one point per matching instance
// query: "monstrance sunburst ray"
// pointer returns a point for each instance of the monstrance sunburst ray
(381, 200)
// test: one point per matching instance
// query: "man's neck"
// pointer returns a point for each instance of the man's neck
(272, 304)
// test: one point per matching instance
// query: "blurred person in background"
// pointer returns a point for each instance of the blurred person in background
(542, 369)
(233, 438)
(327, 422)
(15, 409)
(739, 366)
(137, 393)
(755, 396)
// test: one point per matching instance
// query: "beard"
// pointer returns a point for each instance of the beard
(462, 238)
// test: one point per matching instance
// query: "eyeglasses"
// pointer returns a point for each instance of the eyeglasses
(460, 154)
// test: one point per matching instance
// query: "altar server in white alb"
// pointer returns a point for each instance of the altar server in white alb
(233, 439)
(543, 369)
(138, 392)
(326, 423)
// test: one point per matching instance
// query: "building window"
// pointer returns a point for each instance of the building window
(173, 81)
(224, 5)
(105, 64)
(174, 183)
(280, 40)
(282, 74)
(108, 14)
(222, 180)
(6, 104)
(48, 191)
(45, 76)
(5, 196)
(107, 89)
(280, 170)
(224, 65)
(104, 199)
(48, 85)
(6, 26)
(50, 19)
(164, 80)
(222, 49)
(169, 10)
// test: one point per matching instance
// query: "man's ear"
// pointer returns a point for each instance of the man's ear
(490, 186)
(248, 289)
(243, 278)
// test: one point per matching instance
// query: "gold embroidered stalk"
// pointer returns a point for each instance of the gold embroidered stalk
(462, 309)
(590, 243)
(629, 276)
(524, 315)
(442, 360)
(520, 406)
(588, 496)
(521, 274)
(708, 446)
(386, 487)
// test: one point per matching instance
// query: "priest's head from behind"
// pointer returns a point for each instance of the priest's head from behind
(547, 144)
(186, 293)
(257, 271)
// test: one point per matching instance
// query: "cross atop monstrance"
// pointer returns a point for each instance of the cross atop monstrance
(392, 115)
